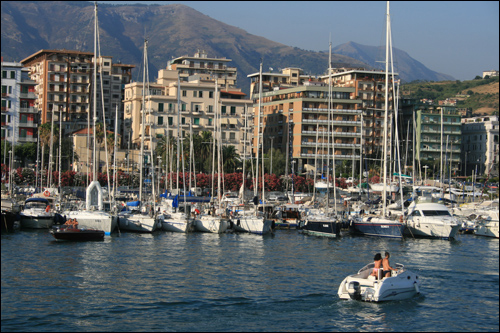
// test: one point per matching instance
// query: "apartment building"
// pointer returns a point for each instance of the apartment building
(434, 131)
(295, 114)
(200, 63)
(19, 114)
(64, 87)
(480, 146)
(195, 112)
(369, 87)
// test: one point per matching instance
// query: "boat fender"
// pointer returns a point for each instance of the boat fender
(401, 218)
(238, 223)
(47, 209)
(151, 212)
(354, 290)
(417, 289)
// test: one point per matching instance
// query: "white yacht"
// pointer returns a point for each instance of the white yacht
(487, 224)
(37, 214)
(429, 219)
(363, 286)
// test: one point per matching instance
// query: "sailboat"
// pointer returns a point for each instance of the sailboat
(374, 224)
(215, 223)
(322, 223)
(94, 215)
(138, 216)
(175, 220)
(246, 219)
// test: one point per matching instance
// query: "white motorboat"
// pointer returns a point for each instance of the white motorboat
(431, 220)
(362, 286)
(37, 214)
(487, 224)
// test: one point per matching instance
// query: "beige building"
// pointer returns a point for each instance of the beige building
(200, 63)
(196, 110)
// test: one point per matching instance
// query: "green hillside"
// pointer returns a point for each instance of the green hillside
(480, 95)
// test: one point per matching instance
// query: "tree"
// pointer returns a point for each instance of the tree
(99, 137)
(230, 159)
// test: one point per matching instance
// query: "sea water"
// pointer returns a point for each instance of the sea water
(240, 282)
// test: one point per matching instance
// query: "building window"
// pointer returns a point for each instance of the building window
(233, 110)
(196, 121)
(184, 93)
(170, 121)
(210, 94)
(200, 94)
(160, 120)
(194, 93)
(160, 107)
(183, 121)
(223, 109)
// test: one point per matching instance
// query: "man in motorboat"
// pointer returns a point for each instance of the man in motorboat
(387, 269)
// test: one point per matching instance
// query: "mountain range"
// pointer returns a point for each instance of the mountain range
(172, 30)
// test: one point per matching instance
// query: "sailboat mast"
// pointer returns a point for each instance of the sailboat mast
(94, 168)
(384, 197)
(258, 132)
(143, 119)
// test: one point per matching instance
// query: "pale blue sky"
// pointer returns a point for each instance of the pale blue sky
(458, 38)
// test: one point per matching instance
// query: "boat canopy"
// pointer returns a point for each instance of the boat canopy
(403, 176)
(133, 203)
(45, 201)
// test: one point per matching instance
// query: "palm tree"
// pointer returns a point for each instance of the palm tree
(230, 158)
(205, 152)
(45, 131)
(99, 137)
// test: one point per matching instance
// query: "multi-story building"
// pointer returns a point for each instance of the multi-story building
(197, 109)
(370, 89)
(64, 86)
(200, 63)
(435, 133)
(295, 118)
(480, 145)
(19, 114)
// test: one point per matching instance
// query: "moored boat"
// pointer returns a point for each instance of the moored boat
(376, 226)
(431, 220)
(37, 214)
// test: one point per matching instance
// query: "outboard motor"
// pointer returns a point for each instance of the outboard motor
(354, 290)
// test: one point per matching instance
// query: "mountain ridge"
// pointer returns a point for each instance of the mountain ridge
(173, 30)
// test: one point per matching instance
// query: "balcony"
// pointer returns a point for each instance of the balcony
(30, 95)
(28, 110)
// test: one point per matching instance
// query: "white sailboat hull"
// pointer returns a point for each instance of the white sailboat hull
(253, 224)
(213, 224)
(94, 219)
(137, 222)
(177, 222)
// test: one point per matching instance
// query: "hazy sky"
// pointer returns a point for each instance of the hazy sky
(458, 38)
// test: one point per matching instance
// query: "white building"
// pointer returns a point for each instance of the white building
(19, 115)
(480, 145)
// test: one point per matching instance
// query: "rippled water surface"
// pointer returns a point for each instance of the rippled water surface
(234, 282)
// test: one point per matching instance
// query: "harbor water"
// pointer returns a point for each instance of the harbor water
(240, 282)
